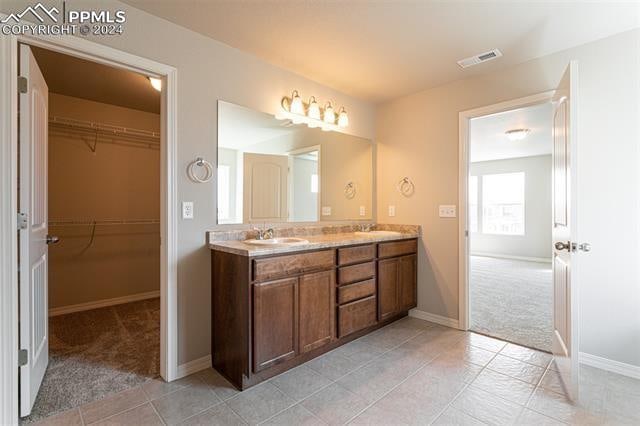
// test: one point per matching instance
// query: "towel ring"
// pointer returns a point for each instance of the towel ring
(350, 190)
(405, 186)
(208, 170)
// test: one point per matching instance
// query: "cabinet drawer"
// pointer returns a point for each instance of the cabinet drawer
(356, 254)
(355, 316)
(282, 266)
(360, 272)
(397, 248)
(351, 292)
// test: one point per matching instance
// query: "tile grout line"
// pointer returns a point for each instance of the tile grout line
(339, 378)
(400, 383)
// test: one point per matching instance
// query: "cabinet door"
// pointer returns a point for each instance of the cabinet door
(407, 282)
(275, 313)
(317, 310)
(388, 288)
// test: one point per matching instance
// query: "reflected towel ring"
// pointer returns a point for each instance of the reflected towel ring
(208, 170)
(405, 186)
(350, 190)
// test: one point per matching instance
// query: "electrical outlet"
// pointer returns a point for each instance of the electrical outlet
(326, 211)
(447, 211)
(187, 209)
(362, 211)
(392, 211)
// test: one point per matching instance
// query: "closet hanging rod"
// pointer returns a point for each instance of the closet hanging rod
(106, 129)
(58, 222)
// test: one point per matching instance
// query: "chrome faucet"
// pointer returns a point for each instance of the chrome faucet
(264, 234)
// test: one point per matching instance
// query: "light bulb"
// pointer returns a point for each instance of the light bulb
(343, 119)
(296, 104)
(314, 109)
(156, 83)
(329, 115)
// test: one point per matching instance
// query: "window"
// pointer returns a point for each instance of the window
(473, 203)
(314, 183)
(503, 204)
(223, 192)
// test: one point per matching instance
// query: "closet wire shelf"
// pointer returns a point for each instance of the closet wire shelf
(93, 133)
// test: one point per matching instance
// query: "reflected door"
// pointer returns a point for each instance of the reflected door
(265, 188)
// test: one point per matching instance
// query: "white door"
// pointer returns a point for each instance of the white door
(34, 333)
(565, 295)
(266, 188)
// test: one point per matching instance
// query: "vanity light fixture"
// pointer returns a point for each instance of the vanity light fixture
(297, 107)
(156, 83)
(314, 109)
(294, 109)
(517, 134)
(343, 118)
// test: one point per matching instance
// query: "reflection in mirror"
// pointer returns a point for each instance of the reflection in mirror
(272, 170)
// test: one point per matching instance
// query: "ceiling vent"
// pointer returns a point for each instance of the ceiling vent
(483, 57)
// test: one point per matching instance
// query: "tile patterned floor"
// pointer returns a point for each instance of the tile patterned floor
(410, 372)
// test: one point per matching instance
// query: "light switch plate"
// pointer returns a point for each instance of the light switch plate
(326, 211)
(392, 211)
(187, 209)
(447, 210)
(362, 211)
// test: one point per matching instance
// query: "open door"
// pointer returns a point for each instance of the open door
(266, 188)
(565, 294)
(33, 238)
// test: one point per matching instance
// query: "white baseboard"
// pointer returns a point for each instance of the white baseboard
(193, 366)
(438, 319)
(610, 365)
(103, 303)
(508, 256)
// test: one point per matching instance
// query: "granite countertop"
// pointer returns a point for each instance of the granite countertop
(315, 242)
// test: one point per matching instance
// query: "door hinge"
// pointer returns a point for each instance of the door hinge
(23, 84)
(23, 357)
(23, 221)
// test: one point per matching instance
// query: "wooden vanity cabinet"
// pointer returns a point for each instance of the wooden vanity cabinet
(272, 313)
(397, 285)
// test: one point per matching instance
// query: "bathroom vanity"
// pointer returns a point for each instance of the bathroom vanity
(276, 307)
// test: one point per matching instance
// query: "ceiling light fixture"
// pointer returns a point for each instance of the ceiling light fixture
(517, 134)
(156, 83)
(295, 110)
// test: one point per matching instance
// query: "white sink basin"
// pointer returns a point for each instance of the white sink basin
(278, 241)
(379, 233)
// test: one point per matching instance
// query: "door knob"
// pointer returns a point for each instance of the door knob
(563, 246)
(584, 247)
(52, 239)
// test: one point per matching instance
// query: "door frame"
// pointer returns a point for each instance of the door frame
(105, 55)
(463, 196)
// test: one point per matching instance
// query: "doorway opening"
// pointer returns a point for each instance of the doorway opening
(99, 177)
(509, 209)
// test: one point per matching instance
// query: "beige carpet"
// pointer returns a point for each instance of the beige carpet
(512, 300)
(95, 353)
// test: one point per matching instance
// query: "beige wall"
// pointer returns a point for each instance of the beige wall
(417, 135)
(208, 71)
(116, 182)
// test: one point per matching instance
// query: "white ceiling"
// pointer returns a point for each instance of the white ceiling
(240, 127)
(489, 142)
(71, 76)
(378, 50)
